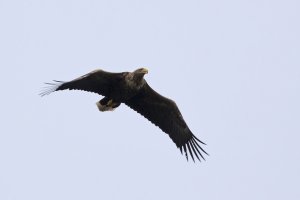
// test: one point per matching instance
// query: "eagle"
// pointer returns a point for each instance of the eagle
(131, 89)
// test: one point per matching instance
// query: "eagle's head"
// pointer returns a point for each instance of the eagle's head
(139, 74)
(141, 71)
(136, 78)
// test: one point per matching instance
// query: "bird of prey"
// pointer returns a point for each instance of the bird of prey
(133, 90)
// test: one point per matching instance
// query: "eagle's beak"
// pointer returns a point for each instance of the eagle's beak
(144, 71)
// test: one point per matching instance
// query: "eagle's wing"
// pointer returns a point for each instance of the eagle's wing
(164, 113)
(98, 81)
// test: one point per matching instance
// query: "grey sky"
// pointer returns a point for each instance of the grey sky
(232, 67)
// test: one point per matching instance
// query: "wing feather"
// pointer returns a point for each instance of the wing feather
(191, 153)
(98, 81)
(164, 113)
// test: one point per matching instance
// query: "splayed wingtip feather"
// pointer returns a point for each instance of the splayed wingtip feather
(198, 140)
(196, 147)
(191, 153)
(50, 88)
(186, 155)
(193, 148)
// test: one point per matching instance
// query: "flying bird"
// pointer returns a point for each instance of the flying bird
(133, 90)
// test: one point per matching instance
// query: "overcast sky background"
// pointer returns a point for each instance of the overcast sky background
(233, 67)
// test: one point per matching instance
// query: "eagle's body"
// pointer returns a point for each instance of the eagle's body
(132, 89)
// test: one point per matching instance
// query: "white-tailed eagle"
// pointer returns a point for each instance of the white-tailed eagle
(132, 89)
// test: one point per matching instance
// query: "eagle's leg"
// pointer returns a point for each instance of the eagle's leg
(107, 104)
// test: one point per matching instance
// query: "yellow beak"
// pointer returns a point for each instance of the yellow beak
(144, 70)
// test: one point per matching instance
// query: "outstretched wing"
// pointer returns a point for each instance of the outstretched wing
(164, 113)
(98, 81)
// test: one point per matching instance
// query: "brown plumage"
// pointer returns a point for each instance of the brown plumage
(132, 89)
